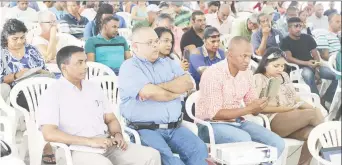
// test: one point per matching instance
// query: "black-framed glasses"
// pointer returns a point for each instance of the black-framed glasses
(276, 55)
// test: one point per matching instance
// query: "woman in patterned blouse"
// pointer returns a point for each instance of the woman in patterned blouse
(16, 56)
(289, 118)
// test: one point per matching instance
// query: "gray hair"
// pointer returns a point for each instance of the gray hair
(164, 16)
(44, 15)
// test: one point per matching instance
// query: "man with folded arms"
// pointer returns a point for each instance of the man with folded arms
(75, 111)
(150, 89)
(223, 88)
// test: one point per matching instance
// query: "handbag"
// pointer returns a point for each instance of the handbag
(5, 149)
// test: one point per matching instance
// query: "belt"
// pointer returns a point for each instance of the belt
(154, 126)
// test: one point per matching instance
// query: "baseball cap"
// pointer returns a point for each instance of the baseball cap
(153, 8)
(267, 10)
(253, 18)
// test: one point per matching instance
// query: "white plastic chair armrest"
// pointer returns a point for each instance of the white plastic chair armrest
(66, 149)
(316, 101)
(135, 134)
(293, 65)
(266, 121)
(191, 126)
(211, 134)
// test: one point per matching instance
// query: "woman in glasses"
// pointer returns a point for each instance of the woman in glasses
(290, 117)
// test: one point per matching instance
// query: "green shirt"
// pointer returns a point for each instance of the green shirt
(240, 29)
(183, 19)
(108, 52)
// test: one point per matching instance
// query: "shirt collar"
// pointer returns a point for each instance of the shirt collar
(205, 53)
(68, 84)
(226, 68)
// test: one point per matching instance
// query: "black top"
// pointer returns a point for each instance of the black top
(300, 49)
(190, 38)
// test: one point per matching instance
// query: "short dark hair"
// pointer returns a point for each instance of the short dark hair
(107, 19)
(266, 60)
(196, 13)
(64, 54)
(103, 9)
(214, 3)
(11, 27)
(294, 20)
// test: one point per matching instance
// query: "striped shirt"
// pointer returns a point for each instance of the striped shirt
(327, 40)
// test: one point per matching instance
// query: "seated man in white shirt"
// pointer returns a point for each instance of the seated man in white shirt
(221, 20)
(317, 19)
(46, 42)
(75, 111)
(23, 13)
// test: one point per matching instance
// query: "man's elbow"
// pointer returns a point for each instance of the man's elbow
(189, 84)
(48, 135)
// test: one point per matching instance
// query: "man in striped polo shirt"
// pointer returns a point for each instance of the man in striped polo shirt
(328, 41)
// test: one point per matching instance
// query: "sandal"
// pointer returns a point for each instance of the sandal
(51, 158)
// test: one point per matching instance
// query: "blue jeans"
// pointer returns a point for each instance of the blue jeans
(245, 131)
(191, 149)
(308, 75)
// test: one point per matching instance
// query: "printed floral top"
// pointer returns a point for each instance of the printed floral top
(31, 59)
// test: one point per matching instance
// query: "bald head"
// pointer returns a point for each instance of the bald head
(236, 41)
(140, 32)
(224, 12)
(46, 16)
(145, 43)
(239, 53)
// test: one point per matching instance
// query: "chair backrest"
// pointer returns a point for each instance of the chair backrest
(189, 102)
(253, 65)
(332, 64)
(32, 89)
(125, 32)
(302, 88)
(97, 69)
(127, 17)
(6, 133)
(53, 68)
(109, 87)
(328, 135)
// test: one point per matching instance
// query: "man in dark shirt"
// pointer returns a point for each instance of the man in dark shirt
(75, 21)
(193, 38)
(331, 10)
(301, 50)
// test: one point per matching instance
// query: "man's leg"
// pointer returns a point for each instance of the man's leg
(308, 75)
(262, 135)
(326, 73)
(156, 140)
(84, 158)
(224, 133)
(134, 155)
(191, 149)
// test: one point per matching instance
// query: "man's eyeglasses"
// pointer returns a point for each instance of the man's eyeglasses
(276, 55)
(150, 43)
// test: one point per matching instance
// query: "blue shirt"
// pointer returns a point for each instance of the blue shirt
(31, 59)
(202, 59)
(76, 27)
(108, 52)
(59, 14)
(273, 40)
(137, 72)
(89, 30)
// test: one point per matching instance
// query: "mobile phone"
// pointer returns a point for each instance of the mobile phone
(186, 54)
(272, 88)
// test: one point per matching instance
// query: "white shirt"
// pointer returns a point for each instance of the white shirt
(73, 111)
(318, 23)
(89, 14)
(38, 40)
(29, 16)
(224, 28)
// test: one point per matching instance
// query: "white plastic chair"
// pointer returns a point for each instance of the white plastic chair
(253, 65)
(97, 69)
(336, 102)
(127, 17)
(53, 68)
(328, 135)
(125, 32)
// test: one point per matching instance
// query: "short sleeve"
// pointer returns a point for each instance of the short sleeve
(131, 79)
(251, 94)
(256, 41)
(284, 45)
(48, 108)
(89, 46)
(39, 58)
(312, 43)
(123, 22)
(197, 60)
(322, 42)
(88, 30)
(126, 47)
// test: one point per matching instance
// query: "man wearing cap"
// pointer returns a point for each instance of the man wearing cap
(207, 55)
(245, 27)
(152, 12)
(281, 24)
(182, 17)
(221, 20)
(266, 36)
